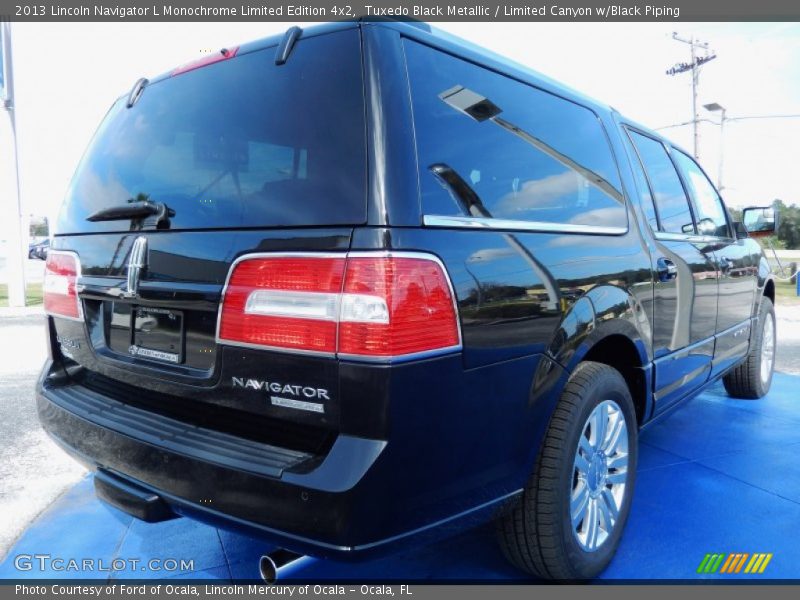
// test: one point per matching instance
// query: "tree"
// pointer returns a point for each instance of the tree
(789, 225)
(39, 227)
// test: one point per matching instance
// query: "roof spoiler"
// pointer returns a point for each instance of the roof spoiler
(407, 20)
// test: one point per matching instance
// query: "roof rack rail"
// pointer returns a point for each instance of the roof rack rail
(286, 45)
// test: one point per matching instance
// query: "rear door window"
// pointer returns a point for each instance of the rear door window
(490, 146)
(671, 201)
(711, 218)
(239, 143)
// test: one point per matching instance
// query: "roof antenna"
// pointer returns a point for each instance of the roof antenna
(286, 45)
(136, 91)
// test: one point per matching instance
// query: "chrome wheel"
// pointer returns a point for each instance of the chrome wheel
(599, 475)
(767, 348)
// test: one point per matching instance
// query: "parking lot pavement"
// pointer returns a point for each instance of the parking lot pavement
(787, 358)
(33, 470)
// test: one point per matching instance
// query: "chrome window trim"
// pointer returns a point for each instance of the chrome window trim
(512, 225)
(669, 236)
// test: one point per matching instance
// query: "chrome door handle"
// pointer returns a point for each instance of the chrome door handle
(667, 271)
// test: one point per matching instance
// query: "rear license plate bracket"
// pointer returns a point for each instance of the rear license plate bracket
(157, 334)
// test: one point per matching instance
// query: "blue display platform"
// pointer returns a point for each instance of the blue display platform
(716, 476)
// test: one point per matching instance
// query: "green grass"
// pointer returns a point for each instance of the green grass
(33, 295)
(786, 293)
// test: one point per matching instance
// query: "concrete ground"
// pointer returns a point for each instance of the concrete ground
(787, 359)
(34, 471)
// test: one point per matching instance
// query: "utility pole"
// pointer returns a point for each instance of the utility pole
(693, 66)
(9, 188)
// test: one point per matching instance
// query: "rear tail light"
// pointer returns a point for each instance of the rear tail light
(361, 305)
(60, 285)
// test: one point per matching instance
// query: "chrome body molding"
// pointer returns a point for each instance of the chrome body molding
(511, 225)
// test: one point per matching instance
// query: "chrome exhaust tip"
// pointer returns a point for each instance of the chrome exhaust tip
(270, 564)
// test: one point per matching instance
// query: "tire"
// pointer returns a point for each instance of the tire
(537, 534)
(752, 379)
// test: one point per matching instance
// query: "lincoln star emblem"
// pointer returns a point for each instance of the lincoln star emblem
(136, 264)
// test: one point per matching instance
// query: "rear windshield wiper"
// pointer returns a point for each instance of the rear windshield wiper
(134, 211)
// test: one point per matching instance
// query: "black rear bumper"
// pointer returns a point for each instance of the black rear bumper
(149, 463)
(448, 461)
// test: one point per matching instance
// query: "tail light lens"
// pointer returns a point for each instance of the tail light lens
(362, 305)
(61, 273)
(396, 306)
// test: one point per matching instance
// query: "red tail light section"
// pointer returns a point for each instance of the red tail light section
(363, 305)
(60, 285)
(418, 303)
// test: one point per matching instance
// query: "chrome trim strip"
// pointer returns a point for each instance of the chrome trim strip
(80, 317)
(511, 225)
(136, 264)
(692, 238)
(400, 358)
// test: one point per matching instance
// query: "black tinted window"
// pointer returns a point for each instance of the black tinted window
(242, 142)
(671, 201)
(493, 147)
(710, 211)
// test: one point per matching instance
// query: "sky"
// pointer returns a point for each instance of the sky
(67, 75)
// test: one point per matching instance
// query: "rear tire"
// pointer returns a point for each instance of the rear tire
(752, 379)
(569, 521)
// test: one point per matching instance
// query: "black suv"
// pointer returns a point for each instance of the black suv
(365, 283)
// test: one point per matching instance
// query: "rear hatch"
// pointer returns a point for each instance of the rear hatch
(232, 156)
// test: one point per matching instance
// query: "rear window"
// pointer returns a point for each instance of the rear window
(515, 152)
(239, 143)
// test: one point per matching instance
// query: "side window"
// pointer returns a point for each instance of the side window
(645, 197)
(492, 147)
(671, 201)
(710, 211)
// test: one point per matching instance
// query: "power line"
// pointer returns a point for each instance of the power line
(694, 66)
(729, 119)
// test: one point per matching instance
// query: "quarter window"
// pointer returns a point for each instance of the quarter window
(492, 147)
(710, 211)
(671, 201)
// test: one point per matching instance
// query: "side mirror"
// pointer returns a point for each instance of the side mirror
(760, 221)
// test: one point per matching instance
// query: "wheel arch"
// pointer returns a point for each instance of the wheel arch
(609, 326)
(769, 290)
(620, 352)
